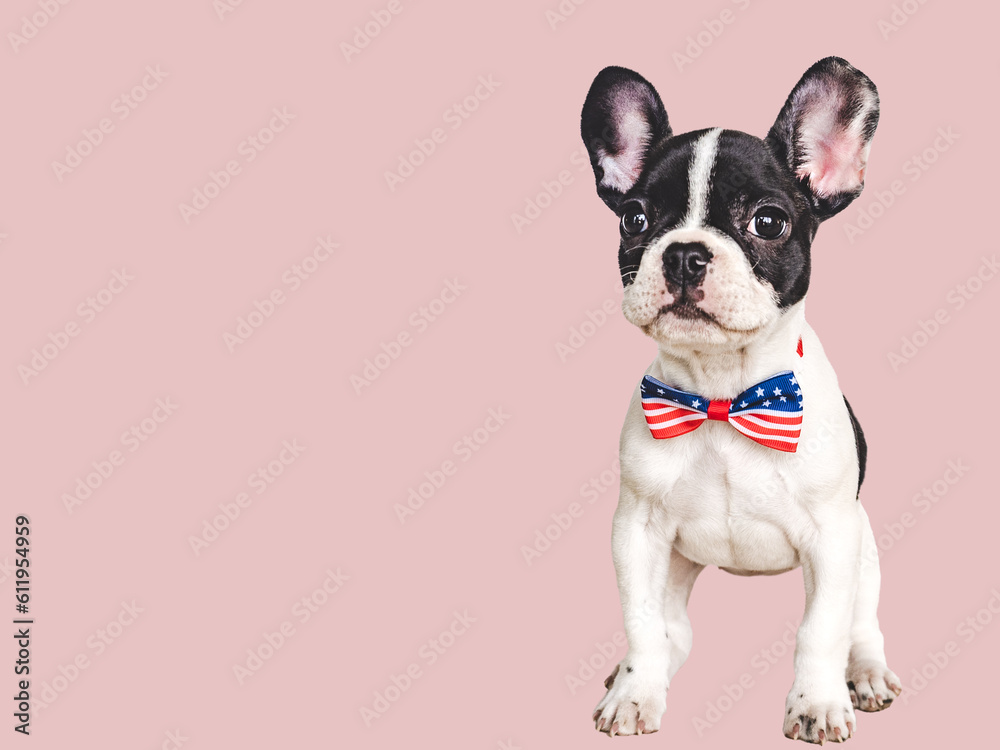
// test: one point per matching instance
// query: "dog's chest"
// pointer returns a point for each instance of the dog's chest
(732, 503)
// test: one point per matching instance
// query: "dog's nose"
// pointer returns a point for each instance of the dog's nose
(684, 263)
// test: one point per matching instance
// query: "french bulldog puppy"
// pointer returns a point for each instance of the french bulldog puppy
(739, 449)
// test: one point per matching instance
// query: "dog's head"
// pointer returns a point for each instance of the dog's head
(716, 225)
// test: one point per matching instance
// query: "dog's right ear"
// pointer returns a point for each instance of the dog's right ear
(622, 119)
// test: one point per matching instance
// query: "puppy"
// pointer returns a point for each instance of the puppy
(738, 449)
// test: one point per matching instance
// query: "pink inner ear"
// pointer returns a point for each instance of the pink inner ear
(834, 149)
(835, 164)
(621, 170)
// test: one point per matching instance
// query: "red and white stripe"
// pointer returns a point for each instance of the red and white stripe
(779, 430)
(667, 419)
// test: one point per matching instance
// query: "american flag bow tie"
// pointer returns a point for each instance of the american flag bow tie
(769, 413)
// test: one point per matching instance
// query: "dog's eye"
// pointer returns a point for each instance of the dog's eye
(634, 220)
(768, 223)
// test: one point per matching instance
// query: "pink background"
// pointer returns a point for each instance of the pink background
(503, 683)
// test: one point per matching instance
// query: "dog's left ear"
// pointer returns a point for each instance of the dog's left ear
(824, 132)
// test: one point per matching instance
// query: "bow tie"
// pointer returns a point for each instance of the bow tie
(769, 413)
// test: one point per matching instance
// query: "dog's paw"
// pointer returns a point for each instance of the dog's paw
(818, 720)
(635, 701)
(873, 685)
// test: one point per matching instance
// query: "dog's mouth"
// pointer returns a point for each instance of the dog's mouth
(687, 310)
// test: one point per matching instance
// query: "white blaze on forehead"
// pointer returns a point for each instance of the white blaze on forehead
(699, 178)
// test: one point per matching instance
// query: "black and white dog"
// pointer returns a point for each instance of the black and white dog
(716, 227)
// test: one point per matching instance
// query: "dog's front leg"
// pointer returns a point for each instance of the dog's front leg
(637, 694)
(819, 707)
